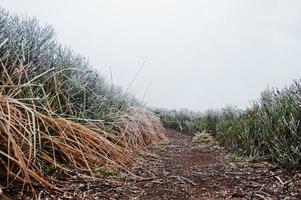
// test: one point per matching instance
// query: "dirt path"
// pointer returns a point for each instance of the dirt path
(182, 170)
(186, 171)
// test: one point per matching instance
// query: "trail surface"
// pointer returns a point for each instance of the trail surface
(184, 170)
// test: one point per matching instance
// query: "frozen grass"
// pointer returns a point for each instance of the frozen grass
(203, 138)
(269, 129)
(55, 110)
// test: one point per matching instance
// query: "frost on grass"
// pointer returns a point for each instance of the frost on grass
(204, 139)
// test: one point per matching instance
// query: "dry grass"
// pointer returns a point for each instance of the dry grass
(33, 139)
(55, 112)
(140, 128)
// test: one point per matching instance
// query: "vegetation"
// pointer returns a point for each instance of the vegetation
(177, 120)
(270, 128)
(188, 121)
(203, 138)
(57, 112)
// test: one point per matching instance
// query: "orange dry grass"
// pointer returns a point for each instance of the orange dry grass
(33, 137)
(31, 141)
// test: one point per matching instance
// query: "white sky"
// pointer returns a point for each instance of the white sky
(199, 54)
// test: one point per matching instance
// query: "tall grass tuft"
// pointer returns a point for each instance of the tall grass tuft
(270, 128)
(55, 110)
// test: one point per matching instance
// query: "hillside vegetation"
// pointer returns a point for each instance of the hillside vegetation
(269, 129)
(57, 112)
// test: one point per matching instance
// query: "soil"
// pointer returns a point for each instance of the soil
(181, 169)
(184, 170)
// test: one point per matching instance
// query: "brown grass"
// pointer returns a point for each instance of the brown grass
(33, 137)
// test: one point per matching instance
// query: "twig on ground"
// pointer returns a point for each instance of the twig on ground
(262, 197)
(188, 180)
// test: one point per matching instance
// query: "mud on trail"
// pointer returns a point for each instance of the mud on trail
(183, 170)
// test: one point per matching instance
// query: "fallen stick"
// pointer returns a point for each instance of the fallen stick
(188, 180)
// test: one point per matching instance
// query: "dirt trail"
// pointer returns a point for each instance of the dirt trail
(186, 171)
(182, 170)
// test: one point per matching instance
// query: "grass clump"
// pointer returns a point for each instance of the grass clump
(270, 128)
(56, 112)
(203, 138)
(233, 157)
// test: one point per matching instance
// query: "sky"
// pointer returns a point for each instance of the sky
(198, 54)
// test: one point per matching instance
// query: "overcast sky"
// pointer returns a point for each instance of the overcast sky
(199, 54)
